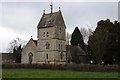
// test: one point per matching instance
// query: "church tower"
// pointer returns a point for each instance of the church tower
(51, 31)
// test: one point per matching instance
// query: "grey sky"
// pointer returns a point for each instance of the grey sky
(119, 11)
(21, 19)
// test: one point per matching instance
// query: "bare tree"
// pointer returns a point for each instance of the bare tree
(90, 31)
(68, 37)
(15, 44)
(86, 33)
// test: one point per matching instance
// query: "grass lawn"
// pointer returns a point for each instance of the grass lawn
(44, 73)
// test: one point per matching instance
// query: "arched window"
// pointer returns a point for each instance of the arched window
(30, 55)
(47, 45)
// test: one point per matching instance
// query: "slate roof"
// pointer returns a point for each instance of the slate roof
(51, 19)
(74, 49)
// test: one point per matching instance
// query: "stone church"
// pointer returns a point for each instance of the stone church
(50, 45)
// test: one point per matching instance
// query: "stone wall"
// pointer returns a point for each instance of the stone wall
(30, 47)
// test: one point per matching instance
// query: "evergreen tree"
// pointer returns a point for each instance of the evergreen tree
(77, 39)
(15, 47)
(17, 54)
(112, 52)
(105, 41)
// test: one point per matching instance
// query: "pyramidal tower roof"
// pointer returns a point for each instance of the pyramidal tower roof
(51, 19)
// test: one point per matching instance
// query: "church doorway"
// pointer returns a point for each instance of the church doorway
(30, 55)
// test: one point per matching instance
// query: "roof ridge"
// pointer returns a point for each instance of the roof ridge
(52, 13)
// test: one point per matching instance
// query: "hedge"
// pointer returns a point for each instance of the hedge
(73, 67)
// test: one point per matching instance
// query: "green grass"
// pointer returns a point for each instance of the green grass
(44, 73)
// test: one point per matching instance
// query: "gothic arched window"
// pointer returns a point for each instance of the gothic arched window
(47, 45)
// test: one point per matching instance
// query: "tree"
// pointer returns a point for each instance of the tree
(17, 54)
(15, 47)
(117, 41)
(98, 40)
(85, 34)
(77, 39)
(68, 37)
(112, 52)
(15, 44)
(104, 42)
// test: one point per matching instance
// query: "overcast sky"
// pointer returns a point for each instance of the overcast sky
(20, 19)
